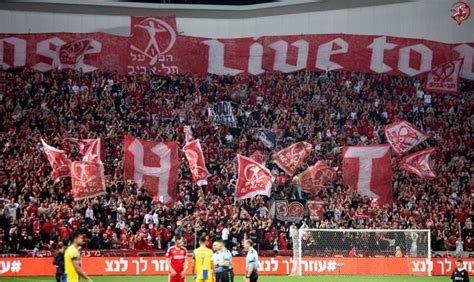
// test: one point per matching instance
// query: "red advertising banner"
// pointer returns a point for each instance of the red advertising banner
(156, 45)
(267, 266)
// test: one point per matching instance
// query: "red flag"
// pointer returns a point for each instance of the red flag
(315, 209)
(58, 160)
(403, 136)
(72, 52)
(92, 150)
(87, 180)
(153, 165)
(369, 170)
(292, 157)
(257, 156)
(444, 78)
(254, 179)
(420, 163)
(314, 178)
(188, 134)
(197, 165)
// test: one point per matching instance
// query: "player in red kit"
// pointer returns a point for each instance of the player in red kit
(176, 260)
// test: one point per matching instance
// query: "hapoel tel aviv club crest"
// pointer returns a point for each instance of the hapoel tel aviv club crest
(155, 37)
(460, 12)
(254, 179)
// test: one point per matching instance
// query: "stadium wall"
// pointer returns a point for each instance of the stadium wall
(424, 19)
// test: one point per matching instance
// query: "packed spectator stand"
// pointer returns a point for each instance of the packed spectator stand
(329, 110)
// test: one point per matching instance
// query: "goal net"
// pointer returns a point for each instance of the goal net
(362, 252)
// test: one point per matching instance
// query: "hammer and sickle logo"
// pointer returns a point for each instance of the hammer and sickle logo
(444, 72)
(406, 136)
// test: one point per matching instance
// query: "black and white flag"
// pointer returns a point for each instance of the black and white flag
(221, 114)
(267, 137)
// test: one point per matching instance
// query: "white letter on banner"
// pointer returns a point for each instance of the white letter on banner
(19, 52)
(216, 58)
(255, 59)
(162, 172)
(378, 46)
(365, 156)
(404, 59)
(281, 55)
(43, 48)
(466, 52)
(95, 47)
(325, 51)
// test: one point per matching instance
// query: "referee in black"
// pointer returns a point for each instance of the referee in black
(222, 260)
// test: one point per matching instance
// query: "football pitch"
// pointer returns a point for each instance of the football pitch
(240, 279)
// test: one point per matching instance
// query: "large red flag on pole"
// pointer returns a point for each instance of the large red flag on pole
(197, 165)
(420, 163)
(254, 179)
(314, 178)
(92, 150)
(292, 157)
(153, 165)
(403, 136)
(369, 170)
(58, 160)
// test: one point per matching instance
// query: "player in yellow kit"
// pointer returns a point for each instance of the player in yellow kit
(202, 265)
(72, 260)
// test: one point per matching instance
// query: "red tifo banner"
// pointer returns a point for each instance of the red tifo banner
(88, 180)
(368, 169)
(266, 266)
(152, 165)
(155, 44)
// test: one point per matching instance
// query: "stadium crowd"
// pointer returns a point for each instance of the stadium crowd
(329, 110)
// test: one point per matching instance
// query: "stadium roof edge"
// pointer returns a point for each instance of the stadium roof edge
(186, 10)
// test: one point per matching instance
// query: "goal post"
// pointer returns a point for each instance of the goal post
(352, 251)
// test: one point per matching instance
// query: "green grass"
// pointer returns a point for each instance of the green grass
(239, 279)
